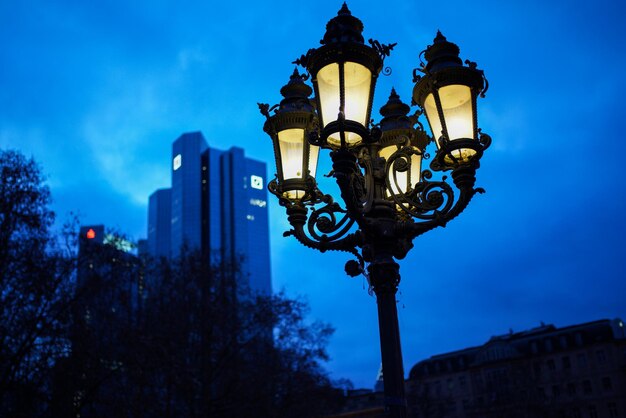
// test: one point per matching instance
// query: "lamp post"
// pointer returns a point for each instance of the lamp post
(387, 199)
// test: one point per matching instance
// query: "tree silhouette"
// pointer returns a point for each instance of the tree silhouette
(201, 344)
(35, 292)
(101, 332)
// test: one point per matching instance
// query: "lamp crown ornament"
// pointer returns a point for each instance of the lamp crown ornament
(343, 28)
(442, 54)
(394, 113)
(296, 93)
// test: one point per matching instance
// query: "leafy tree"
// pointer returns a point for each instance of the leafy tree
(202, 345)
(102, 332)
(34, 287)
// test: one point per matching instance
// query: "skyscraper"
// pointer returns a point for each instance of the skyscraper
(217, 204)
(159, 223)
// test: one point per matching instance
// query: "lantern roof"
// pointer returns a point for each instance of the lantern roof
(343, 28)
(296, 93)
(394, 113)
(442, 54)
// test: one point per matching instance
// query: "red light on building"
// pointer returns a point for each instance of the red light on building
(91, 234)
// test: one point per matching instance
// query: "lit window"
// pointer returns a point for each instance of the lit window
(250, 217)
(256, 182)
(91, 234)
(177, 162)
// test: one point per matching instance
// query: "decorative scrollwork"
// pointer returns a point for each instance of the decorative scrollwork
(326, 221)
(265, 109)
(387, 71)
(303, 61)
(326, 228)
(416, 76)
(426, 200)
(484, 139)
(383, 50)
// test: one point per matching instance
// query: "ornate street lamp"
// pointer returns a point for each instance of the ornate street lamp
(387, 199)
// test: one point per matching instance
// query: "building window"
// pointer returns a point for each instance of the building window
(587, 387)
(613, 410)
(450, 384)
(549, 345)
(576, 413)
(579, 339)
(582, 360)
(462, 382)
(607, 385)
(566, 363)
(593, 413)
(556, 391)
(537, 367)
(551, 365)
(571, 389)
(563, 341)
(533, 347)
(601, 356)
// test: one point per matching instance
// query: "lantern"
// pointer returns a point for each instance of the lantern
(447, 94)
(296, 159)
(398, 132)
(344, 72)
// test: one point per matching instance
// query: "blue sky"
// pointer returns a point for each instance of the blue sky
(97, 92)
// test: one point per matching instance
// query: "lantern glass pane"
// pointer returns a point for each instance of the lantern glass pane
(416, 169)
(357, 81)
(313, 156)
(433, 117)
(291, 142)
(456, 101)
(328, 87)
(403, 180)
(294, 194)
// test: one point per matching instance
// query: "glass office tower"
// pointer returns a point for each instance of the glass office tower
(218, 204)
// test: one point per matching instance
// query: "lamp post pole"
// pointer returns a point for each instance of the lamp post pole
(387, 199)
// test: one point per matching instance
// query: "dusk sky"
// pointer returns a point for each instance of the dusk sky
(96, 92)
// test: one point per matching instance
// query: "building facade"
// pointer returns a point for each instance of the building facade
(217, 204)
(577, 371)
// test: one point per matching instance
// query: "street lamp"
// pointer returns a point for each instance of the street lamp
(387, 199)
